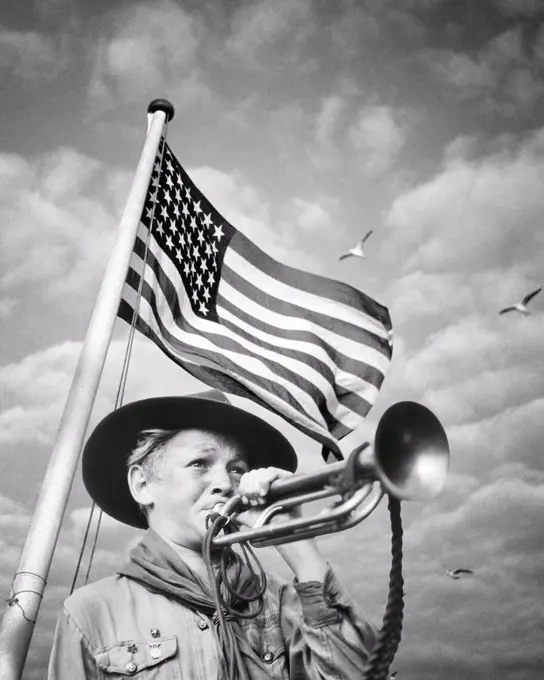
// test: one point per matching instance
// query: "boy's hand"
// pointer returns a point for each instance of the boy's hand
(254, 487)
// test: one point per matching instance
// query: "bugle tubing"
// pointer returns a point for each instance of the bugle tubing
(409, 461)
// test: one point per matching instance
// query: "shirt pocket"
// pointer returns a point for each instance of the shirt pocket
(266, 641)
(154, 659)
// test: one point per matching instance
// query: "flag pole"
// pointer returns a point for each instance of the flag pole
(31, 577)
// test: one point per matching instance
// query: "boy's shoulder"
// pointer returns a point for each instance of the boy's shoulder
(95, 595)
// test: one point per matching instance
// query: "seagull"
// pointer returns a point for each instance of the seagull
(358, 250)
(456, 573)
(522, 306)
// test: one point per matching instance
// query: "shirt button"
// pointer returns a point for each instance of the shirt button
(267, 658)
(202, 624)
(131, 667)
(155, 632)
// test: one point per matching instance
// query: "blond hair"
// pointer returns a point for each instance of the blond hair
(148, 454)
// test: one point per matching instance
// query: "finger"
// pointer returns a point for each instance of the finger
(252, 484)
(257, 482)
(250, 500)
(271, 472)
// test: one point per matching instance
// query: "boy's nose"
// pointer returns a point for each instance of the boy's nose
(221, 482)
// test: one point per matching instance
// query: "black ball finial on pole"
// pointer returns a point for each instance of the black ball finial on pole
(162, 105)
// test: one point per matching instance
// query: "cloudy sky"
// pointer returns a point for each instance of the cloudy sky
(307, 123)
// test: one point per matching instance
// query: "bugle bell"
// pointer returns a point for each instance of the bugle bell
(411, 452)
(409, 460)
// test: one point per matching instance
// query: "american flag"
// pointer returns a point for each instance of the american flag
(313, 350)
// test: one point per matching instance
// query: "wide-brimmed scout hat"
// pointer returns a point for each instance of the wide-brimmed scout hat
(107, 450)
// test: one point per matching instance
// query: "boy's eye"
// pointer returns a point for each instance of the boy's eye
(198, 463)
(239, 470)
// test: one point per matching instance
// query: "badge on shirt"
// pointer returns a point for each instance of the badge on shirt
(156, 651)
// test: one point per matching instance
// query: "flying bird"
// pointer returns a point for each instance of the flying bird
(522, 306)
(358, 251)
(456, 573)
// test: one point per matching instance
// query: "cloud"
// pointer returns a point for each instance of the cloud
(59, 226)
(59, 10)
(358, 29)
(469, 217)
(423, 304)
(258, 29)
(480, 373)
(287, 125)
(65, 172)
(152, 47)
(477, 342)
(538, 47)
(326, 153)
(483, 380)
(35, 388)
(463, 536)
(114, 537)
(462, 147)
(7, 305)
(420, 296)
(12, 516)
(328, 117)
(241, 115)
(377, 137)
(500, 75)
(492, 391)
(518, 7)
(29, 55)
(312, 217)
(498, 441)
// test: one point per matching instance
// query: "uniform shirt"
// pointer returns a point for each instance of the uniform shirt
(115, 628)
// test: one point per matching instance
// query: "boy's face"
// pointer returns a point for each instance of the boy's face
(198, 470)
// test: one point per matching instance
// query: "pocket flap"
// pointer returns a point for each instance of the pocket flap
(131, 656)
(265, 637)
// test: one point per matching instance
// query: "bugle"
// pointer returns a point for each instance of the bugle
(409, 460)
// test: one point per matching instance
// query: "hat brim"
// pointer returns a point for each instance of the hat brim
(107, 450)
